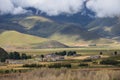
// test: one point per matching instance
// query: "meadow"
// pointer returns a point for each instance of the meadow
(82, 50)
(64, 74)
(72, 68)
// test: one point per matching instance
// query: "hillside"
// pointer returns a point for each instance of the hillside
(30, 21)
(14, 39)
(3, 54)
(51, 44)
(95, 31)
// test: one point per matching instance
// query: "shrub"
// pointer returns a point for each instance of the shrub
(59, 65)
(83, 65)
(33, 65)
(87, 60)
(109, 62)
(17, 56)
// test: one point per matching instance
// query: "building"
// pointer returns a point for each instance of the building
(11, 61)
(95, 57)
(53, 57)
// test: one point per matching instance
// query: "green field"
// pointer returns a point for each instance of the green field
(83, 51)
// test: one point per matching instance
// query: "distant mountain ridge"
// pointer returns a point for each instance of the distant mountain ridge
(71, 30)
(17, 40)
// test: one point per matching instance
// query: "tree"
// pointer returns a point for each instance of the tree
(101, 53)
(3, 55)
(71, 53)
(42, 56)
(14, 55)
(115, 53)
(11, 55)
(24, 56)
(61, 53)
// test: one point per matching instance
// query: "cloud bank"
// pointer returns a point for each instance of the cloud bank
(102, 8)
(50, 7)
(6, 6)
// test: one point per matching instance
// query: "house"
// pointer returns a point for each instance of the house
(11, 61)
(53, 57)
(95, 57)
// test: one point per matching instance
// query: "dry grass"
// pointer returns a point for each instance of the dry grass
(79, 57)
(64, 74)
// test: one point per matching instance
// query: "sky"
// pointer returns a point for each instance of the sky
(102, 8)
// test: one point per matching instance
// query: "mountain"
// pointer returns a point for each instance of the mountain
(14, 39)
(105, 27)
(30, 21)
(3, 55)
(51, 44)
(72, 30)
(17, 40)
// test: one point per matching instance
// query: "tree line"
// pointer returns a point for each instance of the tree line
(65, 53)
(14, 56)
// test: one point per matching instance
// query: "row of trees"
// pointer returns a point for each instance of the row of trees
(65, 53)
(17, 56)
(13, 55)
(115, 53)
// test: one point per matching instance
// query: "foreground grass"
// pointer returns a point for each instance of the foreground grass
(64, 74)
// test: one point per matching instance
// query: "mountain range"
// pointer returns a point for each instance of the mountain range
(71, 30)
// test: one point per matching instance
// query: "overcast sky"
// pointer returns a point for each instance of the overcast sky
(102, 8)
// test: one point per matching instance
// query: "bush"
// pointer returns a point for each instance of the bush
(109, 62)
(33, 65)
(70, 53)
(59, 65)
(83, 65)
(87, 60)
(17, 56)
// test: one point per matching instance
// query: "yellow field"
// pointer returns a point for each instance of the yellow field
(83, 51)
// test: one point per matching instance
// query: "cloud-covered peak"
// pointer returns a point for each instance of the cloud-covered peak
(50, 7)
(102, 8)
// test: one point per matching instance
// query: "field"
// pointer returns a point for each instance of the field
(72, 68)
(64, 74)
(83, 51)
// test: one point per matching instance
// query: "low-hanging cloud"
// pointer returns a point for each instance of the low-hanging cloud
(102, 8)
(50, 7)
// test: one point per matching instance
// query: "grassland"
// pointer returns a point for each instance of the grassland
(64, 74)
(14, 38)
(94, 71)
(29, 22)
(82, 51)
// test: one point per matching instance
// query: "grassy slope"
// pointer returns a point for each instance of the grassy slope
(30, 21)
(51, 44)
(13, 38)
(69, 34)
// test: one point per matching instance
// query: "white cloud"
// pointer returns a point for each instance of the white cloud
(61, 6)
(18, 10)
(50, 7)
(6, 6)
(102, 8)
(105, 8)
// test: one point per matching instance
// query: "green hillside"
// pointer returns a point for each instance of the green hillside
(51, 44)
(16, 39)
(103, 31)
(30, 21)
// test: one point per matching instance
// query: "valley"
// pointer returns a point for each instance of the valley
(39, 46)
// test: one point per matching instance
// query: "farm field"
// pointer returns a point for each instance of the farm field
(83, 51)
(83, 64)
